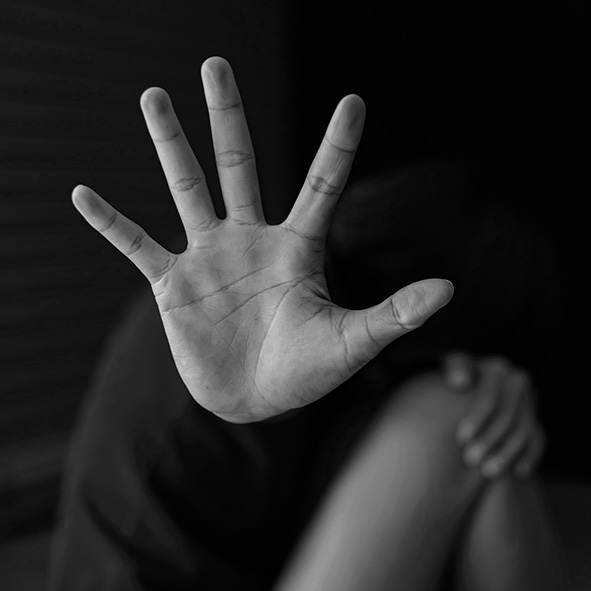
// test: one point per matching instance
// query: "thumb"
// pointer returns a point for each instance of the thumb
(406, 310)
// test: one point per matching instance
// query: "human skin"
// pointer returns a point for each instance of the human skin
(405, 502)
(245, 307)
(246, 310)
(499, 431)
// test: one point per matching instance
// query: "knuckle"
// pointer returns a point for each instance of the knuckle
(343, 149)
(205, 225)
(186, 183)
(231, 158)
(458, 368)
(170, 138)
(110, 222)
(397, 314)
(321, 185)
(404, 315)
(159, 274)
(136, 243)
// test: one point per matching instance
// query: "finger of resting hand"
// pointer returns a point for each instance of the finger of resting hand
(312, 211)
(231, 141)
(148, 256)
(511, 405)
(183, 172)
(511, 452)
(459, 370)
(491, 437)
(369, 331)
(486, 399)
(532, 455)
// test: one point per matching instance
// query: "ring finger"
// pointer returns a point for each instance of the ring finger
(183, 172)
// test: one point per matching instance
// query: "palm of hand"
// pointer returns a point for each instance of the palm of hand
(245, 308)
(248, 316)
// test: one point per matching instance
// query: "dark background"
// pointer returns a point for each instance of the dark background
(502, 85)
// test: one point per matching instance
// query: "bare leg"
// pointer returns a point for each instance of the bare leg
(394, 515)
(510, 542)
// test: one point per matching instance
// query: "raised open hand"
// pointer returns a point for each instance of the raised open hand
(245, 307)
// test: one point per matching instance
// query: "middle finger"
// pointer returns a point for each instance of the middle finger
(232, 144)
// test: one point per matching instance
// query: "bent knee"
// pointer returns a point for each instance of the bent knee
(427, 402)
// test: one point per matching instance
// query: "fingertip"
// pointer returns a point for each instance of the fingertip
(155, 100)
(78, 190)
(458, 370)
(215, 63)
(458, 379)
(81, 195)
(89, 204)
(346, 126)
(216, 69)
(355, 104)
(447, 288)
(219, 84)
(411, 306)
(436, 293)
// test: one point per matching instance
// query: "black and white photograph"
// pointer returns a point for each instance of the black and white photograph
(293, 296)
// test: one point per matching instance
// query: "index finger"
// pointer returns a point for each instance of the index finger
(312, 211)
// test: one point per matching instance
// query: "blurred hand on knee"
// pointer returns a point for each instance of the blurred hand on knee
(500, 430)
